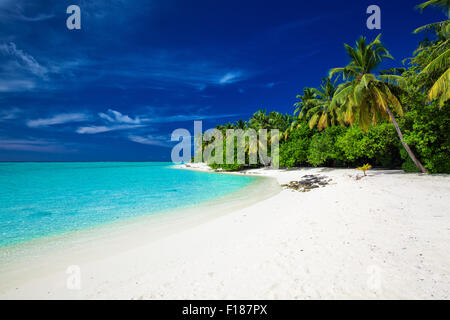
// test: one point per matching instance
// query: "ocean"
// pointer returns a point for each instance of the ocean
(45, 199)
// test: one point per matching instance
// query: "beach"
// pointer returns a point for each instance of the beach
(384, 236)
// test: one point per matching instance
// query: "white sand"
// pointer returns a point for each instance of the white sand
(384, 236)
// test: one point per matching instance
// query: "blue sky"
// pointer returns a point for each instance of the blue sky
(137, 70)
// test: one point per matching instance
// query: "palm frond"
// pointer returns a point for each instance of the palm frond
(442, 61)
(441, 87)
(393, 71)
(313, 121)
(394, 79)
(444, 4)
(435, 27)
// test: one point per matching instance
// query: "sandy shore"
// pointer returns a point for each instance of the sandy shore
(384, 236)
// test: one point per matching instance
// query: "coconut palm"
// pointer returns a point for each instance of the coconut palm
(240, 124)
(302, 107)
(443, 4)
(437, 67)
(259, 120)
(434, 58)
(321, 114)
(279, 121)
(367, 98)
(441, 28)
(262, 120)
(304, 104)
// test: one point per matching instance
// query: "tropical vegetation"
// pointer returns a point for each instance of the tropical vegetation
(362, 114)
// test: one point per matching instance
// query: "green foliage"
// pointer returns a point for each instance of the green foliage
(272, 120)
(323, 146)
(385, 145)
(380, 145)
(294, 151)
(417, 98)
(340, 146)
(426, 128)
(366, 98)
(235, 166)
(354, 145)
(364, 168)
(227, 167)
(408, 165)
(336, 146)
(317, 108)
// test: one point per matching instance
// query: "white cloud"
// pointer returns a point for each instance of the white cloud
(23, 59)
(185, 117)
(150, 140)
(58, 119)
(20, 71)
(114, 120)
(39, 17)
(164, 70)
(101, 129)
(34, 145)
(16, 85)
(117, 117)
(9, 114)
(230, 77)
(13, 9)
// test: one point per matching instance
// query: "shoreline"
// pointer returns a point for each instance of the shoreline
(118, 236)
(386, 236)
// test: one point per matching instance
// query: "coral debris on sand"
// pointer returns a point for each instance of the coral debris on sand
(308, 183)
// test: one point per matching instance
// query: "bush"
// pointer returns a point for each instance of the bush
(355, 146)
(235, 166)
(225, 166)
(426, 128)
(385, 144)
(408, 165)
(294, 151)
(323, 148)
(380, 146)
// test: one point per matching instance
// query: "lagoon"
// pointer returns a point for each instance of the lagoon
(44, 199)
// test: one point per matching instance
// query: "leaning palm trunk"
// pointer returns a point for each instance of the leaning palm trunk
(407, 148)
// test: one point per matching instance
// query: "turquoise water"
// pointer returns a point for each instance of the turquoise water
(42, 199)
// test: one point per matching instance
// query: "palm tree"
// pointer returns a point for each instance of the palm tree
(259, 120)
(302, 107)
(305, 102)
(437, 63)
(262, 120)
(442, 28)
(367, 98)
(279, 121)
(436, 55)
(240, 124)
(228, 125)
(321, 113)
(443, 4)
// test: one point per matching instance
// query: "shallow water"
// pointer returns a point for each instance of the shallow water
(44, 199)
